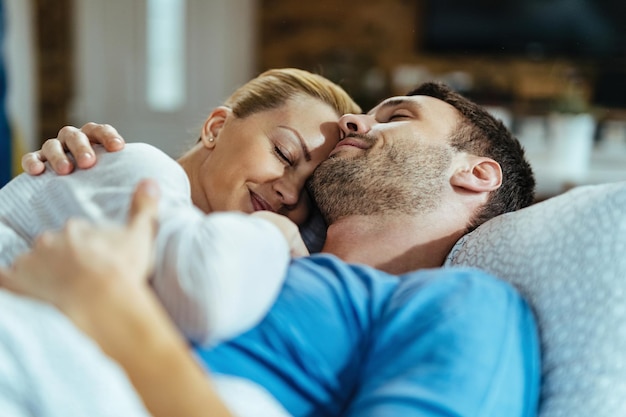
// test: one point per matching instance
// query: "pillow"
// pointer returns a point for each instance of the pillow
(567, 257)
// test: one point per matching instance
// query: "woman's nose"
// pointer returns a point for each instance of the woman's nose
(288, 191)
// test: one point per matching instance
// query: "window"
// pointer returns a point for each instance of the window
(166, 58)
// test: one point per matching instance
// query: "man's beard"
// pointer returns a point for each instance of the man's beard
(398, 180)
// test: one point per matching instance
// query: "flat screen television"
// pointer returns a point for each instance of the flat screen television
(579, 29)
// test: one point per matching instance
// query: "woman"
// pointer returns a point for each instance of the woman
(108, 302)
(254, 154)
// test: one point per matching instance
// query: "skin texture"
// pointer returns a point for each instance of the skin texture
(433, 203)
(248, 164)
(261, 161)
(400, 166)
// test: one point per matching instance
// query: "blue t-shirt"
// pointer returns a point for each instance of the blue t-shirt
(353, 341)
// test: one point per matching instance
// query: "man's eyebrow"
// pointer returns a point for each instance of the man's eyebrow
(305, 149)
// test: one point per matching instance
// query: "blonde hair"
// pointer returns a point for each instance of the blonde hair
(273, 88)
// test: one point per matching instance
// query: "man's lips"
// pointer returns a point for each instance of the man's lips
(258, 203)
(350, 142)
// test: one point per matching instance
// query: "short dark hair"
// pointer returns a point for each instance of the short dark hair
(481, 134)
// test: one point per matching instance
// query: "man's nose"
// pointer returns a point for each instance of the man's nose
(354, 123)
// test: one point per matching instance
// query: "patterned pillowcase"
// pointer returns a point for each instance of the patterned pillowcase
(567, 256)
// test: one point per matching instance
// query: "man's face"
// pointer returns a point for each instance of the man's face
(396, 158)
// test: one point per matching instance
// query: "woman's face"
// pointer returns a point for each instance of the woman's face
(261, 162)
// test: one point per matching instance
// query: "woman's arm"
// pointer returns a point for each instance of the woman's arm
(216, 275)
(132, 328)
(97, 277)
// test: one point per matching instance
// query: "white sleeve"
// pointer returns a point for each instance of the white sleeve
(218, 274)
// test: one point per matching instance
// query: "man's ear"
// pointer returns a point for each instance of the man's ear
(478, 174)
(213, 125)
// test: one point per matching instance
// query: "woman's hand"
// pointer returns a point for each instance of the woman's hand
(97, 277)
(78, 142)
(289, 229)
(73, 266)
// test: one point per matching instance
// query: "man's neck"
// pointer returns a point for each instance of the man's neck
(392, 243)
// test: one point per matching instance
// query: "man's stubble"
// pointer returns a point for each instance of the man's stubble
(398, 179)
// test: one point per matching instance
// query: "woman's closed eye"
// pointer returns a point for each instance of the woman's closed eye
(283, 156)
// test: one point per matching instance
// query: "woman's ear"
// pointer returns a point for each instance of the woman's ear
(479, 174)
(213, 125)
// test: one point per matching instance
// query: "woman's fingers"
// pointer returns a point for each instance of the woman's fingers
(33, 163)
(79, 143)
(53, 151)
(105, 135)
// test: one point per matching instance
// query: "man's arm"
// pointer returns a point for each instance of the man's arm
(96, 276)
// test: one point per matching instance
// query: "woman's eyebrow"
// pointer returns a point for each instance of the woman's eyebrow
(305, 149)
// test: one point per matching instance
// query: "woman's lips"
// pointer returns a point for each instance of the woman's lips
(258, 203)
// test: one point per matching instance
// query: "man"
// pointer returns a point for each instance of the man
(405, 182)
(429, 167)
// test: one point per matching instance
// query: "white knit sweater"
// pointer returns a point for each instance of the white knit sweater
(217, 274)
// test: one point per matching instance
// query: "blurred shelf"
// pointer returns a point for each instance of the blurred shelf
(553, 179)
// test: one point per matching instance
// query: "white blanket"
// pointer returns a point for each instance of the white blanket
(48, 368)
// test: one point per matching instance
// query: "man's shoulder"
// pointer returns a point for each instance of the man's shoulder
(371, 293)
(464, 282)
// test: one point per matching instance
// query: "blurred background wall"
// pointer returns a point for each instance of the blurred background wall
(553, 70)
